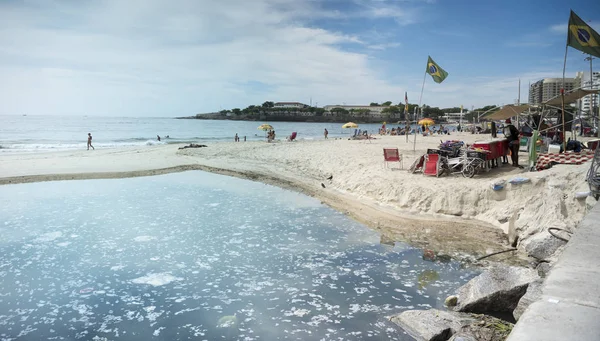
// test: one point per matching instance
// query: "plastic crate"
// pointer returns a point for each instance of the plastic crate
(476, 154)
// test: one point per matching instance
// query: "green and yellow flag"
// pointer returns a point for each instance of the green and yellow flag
(437, 73)
(582, 37)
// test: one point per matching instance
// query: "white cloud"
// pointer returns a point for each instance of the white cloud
(383, 46)
(559, 28)
(403, 15)
(177, 58)
(159, 57)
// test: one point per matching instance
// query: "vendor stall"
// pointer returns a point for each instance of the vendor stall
(495, 150)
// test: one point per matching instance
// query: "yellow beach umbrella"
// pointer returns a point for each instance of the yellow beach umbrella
(350, 125)
(426, 122)
(265, 127)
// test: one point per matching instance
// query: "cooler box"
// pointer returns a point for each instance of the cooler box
(485, 146)
(554, 148)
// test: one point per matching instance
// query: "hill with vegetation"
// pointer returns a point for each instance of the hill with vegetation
(391, 113)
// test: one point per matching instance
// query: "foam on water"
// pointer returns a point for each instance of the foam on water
(156, 279)
(102, 259)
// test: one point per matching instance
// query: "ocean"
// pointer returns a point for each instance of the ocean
(200, 256)
(54, 133)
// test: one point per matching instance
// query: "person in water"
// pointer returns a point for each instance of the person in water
(89, 144)
(158, 137)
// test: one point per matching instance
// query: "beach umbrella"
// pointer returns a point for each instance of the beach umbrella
(350, 125)
(265, 127)
(426, 122)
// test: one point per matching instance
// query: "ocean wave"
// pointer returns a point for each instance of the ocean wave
(40, 147)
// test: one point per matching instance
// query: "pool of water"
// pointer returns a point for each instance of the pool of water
(199, 256)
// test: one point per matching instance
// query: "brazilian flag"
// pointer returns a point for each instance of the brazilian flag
(582, 37)
(437, 73)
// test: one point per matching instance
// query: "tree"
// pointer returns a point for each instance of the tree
(374, 104)
(236, 111)
(339, 111)
(268, 104)
(391, 111)
(386, 104)
(318, 111)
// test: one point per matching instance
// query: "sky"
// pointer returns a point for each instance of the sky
(182, 57)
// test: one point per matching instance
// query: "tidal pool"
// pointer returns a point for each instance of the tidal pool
(199, 256)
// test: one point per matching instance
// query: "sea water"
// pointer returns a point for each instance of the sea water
(55, 133)
(199, 256)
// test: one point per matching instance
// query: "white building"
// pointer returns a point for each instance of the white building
(548, 88)
(289, 105)
(590, 99)
(374, 111)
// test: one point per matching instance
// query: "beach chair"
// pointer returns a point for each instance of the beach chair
(417, 165)
(292, 137)
(432, 165)
(392, 155)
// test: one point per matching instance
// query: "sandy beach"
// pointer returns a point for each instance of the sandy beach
(448, 214)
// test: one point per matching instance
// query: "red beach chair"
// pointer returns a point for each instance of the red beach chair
(292, 137)
(392, 155)
(432, 165)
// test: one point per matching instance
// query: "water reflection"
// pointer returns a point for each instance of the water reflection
(214, 258)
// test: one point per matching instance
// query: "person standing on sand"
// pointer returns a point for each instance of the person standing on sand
(90, 141)
(326, 133)
(512, 135)
(236, 138)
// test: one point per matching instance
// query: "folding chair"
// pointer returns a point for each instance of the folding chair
(392, 155)
(432, 165)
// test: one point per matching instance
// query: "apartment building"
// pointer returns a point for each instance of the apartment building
(548, 88)
(588, 83)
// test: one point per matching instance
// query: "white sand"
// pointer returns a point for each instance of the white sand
(361, 184)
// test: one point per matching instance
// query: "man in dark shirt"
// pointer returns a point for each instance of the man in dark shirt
(512, 135)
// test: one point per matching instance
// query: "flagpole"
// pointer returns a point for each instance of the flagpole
(406, 114)
(419, 108)
(406, 125)
(562, 97)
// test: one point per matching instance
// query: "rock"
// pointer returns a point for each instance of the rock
(496, 290)
(542, 245)
(451, 301)
(433, 324)
(533, 293)
(543, 269)
(462, 337)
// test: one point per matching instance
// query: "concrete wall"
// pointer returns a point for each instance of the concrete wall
(569, 308)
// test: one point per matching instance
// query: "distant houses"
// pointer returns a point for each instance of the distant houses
(296, 105)
(355, 110)
(358, 111)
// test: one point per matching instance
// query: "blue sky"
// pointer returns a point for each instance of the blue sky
(175, 58)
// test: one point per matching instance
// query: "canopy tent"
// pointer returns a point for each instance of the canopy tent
(571, 97)
(507, 111)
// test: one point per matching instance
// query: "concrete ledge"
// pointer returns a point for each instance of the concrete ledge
(563, 321)
(569, 308)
